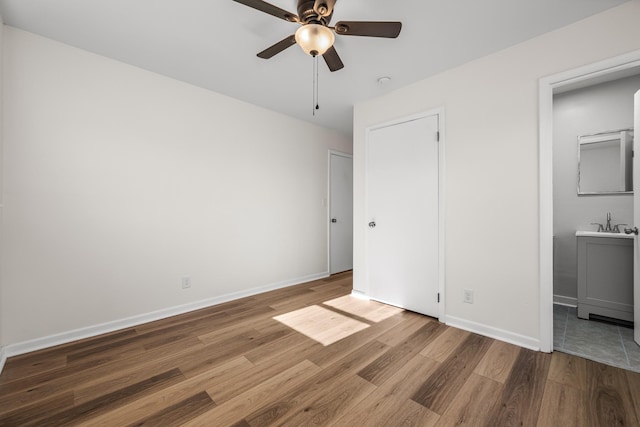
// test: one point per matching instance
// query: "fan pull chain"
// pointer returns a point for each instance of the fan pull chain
(315, 84)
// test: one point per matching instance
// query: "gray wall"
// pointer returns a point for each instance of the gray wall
(607, 106)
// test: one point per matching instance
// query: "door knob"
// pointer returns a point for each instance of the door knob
(633, 230)
(334, 220)
(372, 224)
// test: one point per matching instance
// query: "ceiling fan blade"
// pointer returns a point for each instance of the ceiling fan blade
(332, 59)
(265, 7)
(369, 29)
(324, 7)
(278, 47)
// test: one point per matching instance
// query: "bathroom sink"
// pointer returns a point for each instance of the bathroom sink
(604, 234)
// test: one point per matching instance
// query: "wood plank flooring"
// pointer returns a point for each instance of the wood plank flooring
(235, 365)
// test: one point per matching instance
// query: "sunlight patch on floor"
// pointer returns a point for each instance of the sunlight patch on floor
(371, 310)
(320, 324)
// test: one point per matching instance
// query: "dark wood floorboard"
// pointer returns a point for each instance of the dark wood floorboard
(235, 365)
(310, 399)
(441, 387)
(386, 365)
(178, 413)
(522, 395)
(610, 399)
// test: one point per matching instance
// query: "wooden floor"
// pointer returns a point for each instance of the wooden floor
(233, 364)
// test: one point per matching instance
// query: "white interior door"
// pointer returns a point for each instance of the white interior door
(340, 213)
(636, 220)
(402, 207)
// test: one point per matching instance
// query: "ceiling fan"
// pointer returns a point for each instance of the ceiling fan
(315, 36)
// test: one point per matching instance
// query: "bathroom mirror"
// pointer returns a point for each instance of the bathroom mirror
(605, 163)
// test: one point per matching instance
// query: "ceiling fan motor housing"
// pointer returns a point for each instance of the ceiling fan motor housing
(309, 15)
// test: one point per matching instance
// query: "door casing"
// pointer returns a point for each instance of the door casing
(636, 220)
(580, 77)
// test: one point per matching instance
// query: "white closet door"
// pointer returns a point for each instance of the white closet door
(341, 213)
(402, 208)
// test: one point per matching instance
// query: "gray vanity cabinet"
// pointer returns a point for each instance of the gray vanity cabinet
(605, 277)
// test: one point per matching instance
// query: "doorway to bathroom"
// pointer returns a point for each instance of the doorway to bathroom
(589, 119)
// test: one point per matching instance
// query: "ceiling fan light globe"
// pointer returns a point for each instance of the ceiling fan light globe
(314, 39)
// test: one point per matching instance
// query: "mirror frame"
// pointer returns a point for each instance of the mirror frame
(601, 137)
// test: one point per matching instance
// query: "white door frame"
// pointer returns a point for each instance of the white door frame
(441, 196)
(348, 156)
(589, 75)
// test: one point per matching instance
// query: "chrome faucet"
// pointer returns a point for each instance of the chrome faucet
(608, 226)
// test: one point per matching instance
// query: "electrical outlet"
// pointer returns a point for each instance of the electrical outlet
(186, 282)
(468, 296)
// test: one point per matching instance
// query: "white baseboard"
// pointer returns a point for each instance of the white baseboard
(491, 332)
(359, 294)
(478, 328)
(91, 331)
(562, 300)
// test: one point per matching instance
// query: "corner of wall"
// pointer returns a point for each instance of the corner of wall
(3, 358)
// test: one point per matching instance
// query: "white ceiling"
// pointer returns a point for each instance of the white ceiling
(213, 43)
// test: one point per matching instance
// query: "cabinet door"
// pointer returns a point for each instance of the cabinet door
(605, 277)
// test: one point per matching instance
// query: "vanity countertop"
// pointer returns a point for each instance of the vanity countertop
(603, 234)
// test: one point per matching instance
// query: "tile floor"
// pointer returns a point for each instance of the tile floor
(591, 339)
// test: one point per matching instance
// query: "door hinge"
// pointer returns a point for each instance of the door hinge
(438, 296)
(438, 136)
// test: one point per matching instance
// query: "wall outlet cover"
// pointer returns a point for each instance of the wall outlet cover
(468, 296)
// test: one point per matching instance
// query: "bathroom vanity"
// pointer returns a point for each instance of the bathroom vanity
(605, 275)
